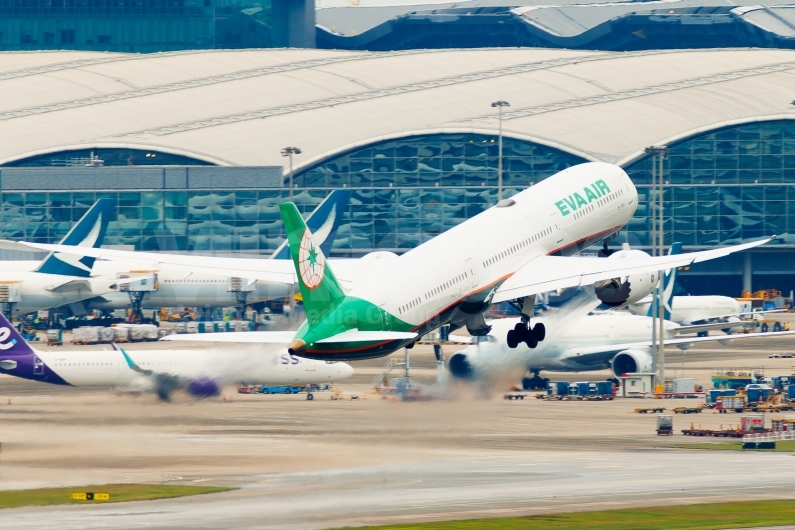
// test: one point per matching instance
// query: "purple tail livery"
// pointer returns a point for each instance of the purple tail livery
(17, 358)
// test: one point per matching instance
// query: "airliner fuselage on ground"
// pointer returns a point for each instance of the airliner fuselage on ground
(618, 341)
(693, 309)
(199, 372)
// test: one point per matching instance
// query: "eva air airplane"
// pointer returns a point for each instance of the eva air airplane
(511, 252)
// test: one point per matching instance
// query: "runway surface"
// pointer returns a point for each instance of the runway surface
(452, 485)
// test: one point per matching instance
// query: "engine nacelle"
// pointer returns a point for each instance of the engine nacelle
(618, 292)
(632, 361)
(203, 387)
(460, 367)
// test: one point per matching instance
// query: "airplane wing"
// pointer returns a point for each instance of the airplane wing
(265, 269)
(599, 354)
(551, 273)
(250, 337)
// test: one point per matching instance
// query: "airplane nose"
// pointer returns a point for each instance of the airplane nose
(344, 370)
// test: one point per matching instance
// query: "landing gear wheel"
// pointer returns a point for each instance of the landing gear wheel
(528, 383)
(310, 397)
(531, 340)
(519, 331)
(540, 331)
(765, 328)
(776, 327)
(511, 339)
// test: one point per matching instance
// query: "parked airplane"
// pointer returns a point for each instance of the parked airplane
(511, 252)
(181, 286)
(60, 278)
(618, 341)
(201, 373)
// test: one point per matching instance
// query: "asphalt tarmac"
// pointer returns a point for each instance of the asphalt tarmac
(323, 463)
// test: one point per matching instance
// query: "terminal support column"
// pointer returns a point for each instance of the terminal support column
(747, 272)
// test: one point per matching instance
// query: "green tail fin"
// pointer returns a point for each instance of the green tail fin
(319, 288)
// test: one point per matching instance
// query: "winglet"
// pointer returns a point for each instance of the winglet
(131, 364)
(88, 232)
(318, 285)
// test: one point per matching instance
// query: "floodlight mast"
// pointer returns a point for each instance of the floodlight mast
(499, 105)
(658, 154)
(290, 151)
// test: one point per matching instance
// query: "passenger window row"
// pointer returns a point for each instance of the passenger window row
(442, 286)
(522, 244)
(611, 197)
(582, 211)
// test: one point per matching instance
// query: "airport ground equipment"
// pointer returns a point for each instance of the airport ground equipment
(137, 290)
(730, 403)
(514, 395)
(665, 425)
(734, 378)
(687, 410)
(10, 294)
(54, 337)
(719, 433)
(649, 410)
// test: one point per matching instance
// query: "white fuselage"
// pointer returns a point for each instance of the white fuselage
(177, 286)
(225, 366)
(688, 310)
(482, 252)
(493, 357)
(40, 291)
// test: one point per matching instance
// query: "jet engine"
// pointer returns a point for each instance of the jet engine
(617, 292)
(460, 367)
(203, 387)
(631, 361)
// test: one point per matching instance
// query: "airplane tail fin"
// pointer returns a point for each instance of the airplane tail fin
(319, 288)
(11, 344)
(323, 223)
(88, 232)
(669, 283)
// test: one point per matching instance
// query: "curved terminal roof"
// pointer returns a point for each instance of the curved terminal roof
(243, 107)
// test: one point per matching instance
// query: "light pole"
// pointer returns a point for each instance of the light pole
(290, 151)
(658, 242)
(500, 104)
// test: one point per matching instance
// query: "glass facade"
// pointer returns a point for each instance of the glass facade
(222, 221)
(136, 25)
(108, 157)
(723, 187)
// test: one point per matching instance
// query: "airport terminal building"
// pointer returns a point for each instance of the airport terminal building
(190, 144)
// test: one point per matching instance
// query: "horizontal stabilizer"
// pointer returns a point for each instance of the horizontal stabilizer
(248, 337)
(354, 335)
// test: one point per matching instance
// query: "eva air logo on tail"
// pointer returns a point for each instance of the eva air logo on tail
(576, 200)
(4, 334)
(311, 263)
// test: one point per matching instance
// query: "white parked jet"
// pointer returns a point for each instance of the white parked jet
(620, 342)
(184, 286)
(511, 252)
(62, 279)
(200, 373)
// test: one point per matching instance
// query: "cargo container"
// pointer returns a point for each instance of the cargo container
(684, 385)
(752, 423)
(583, 388)
(665, 425)
(754, 395)
(562, 388)
(732, 403)
(790, 390)
(604, 388)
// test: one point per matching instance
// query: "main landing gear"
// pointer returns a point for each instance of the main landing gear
(536, 382)
(523, 332)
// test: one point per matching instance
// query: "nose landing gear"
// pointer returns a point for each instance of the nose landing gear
(523, 332)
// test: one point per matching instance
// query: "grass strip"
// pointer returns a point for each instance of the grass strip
(786, 446)
(713, 516)
(118, 493)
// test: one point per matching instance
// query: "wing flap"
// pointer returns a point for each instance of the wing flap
(549, 273)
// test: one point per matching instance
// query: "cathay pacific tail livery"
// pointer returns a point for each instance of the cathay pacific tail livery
(200, 373)
(511, 252)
